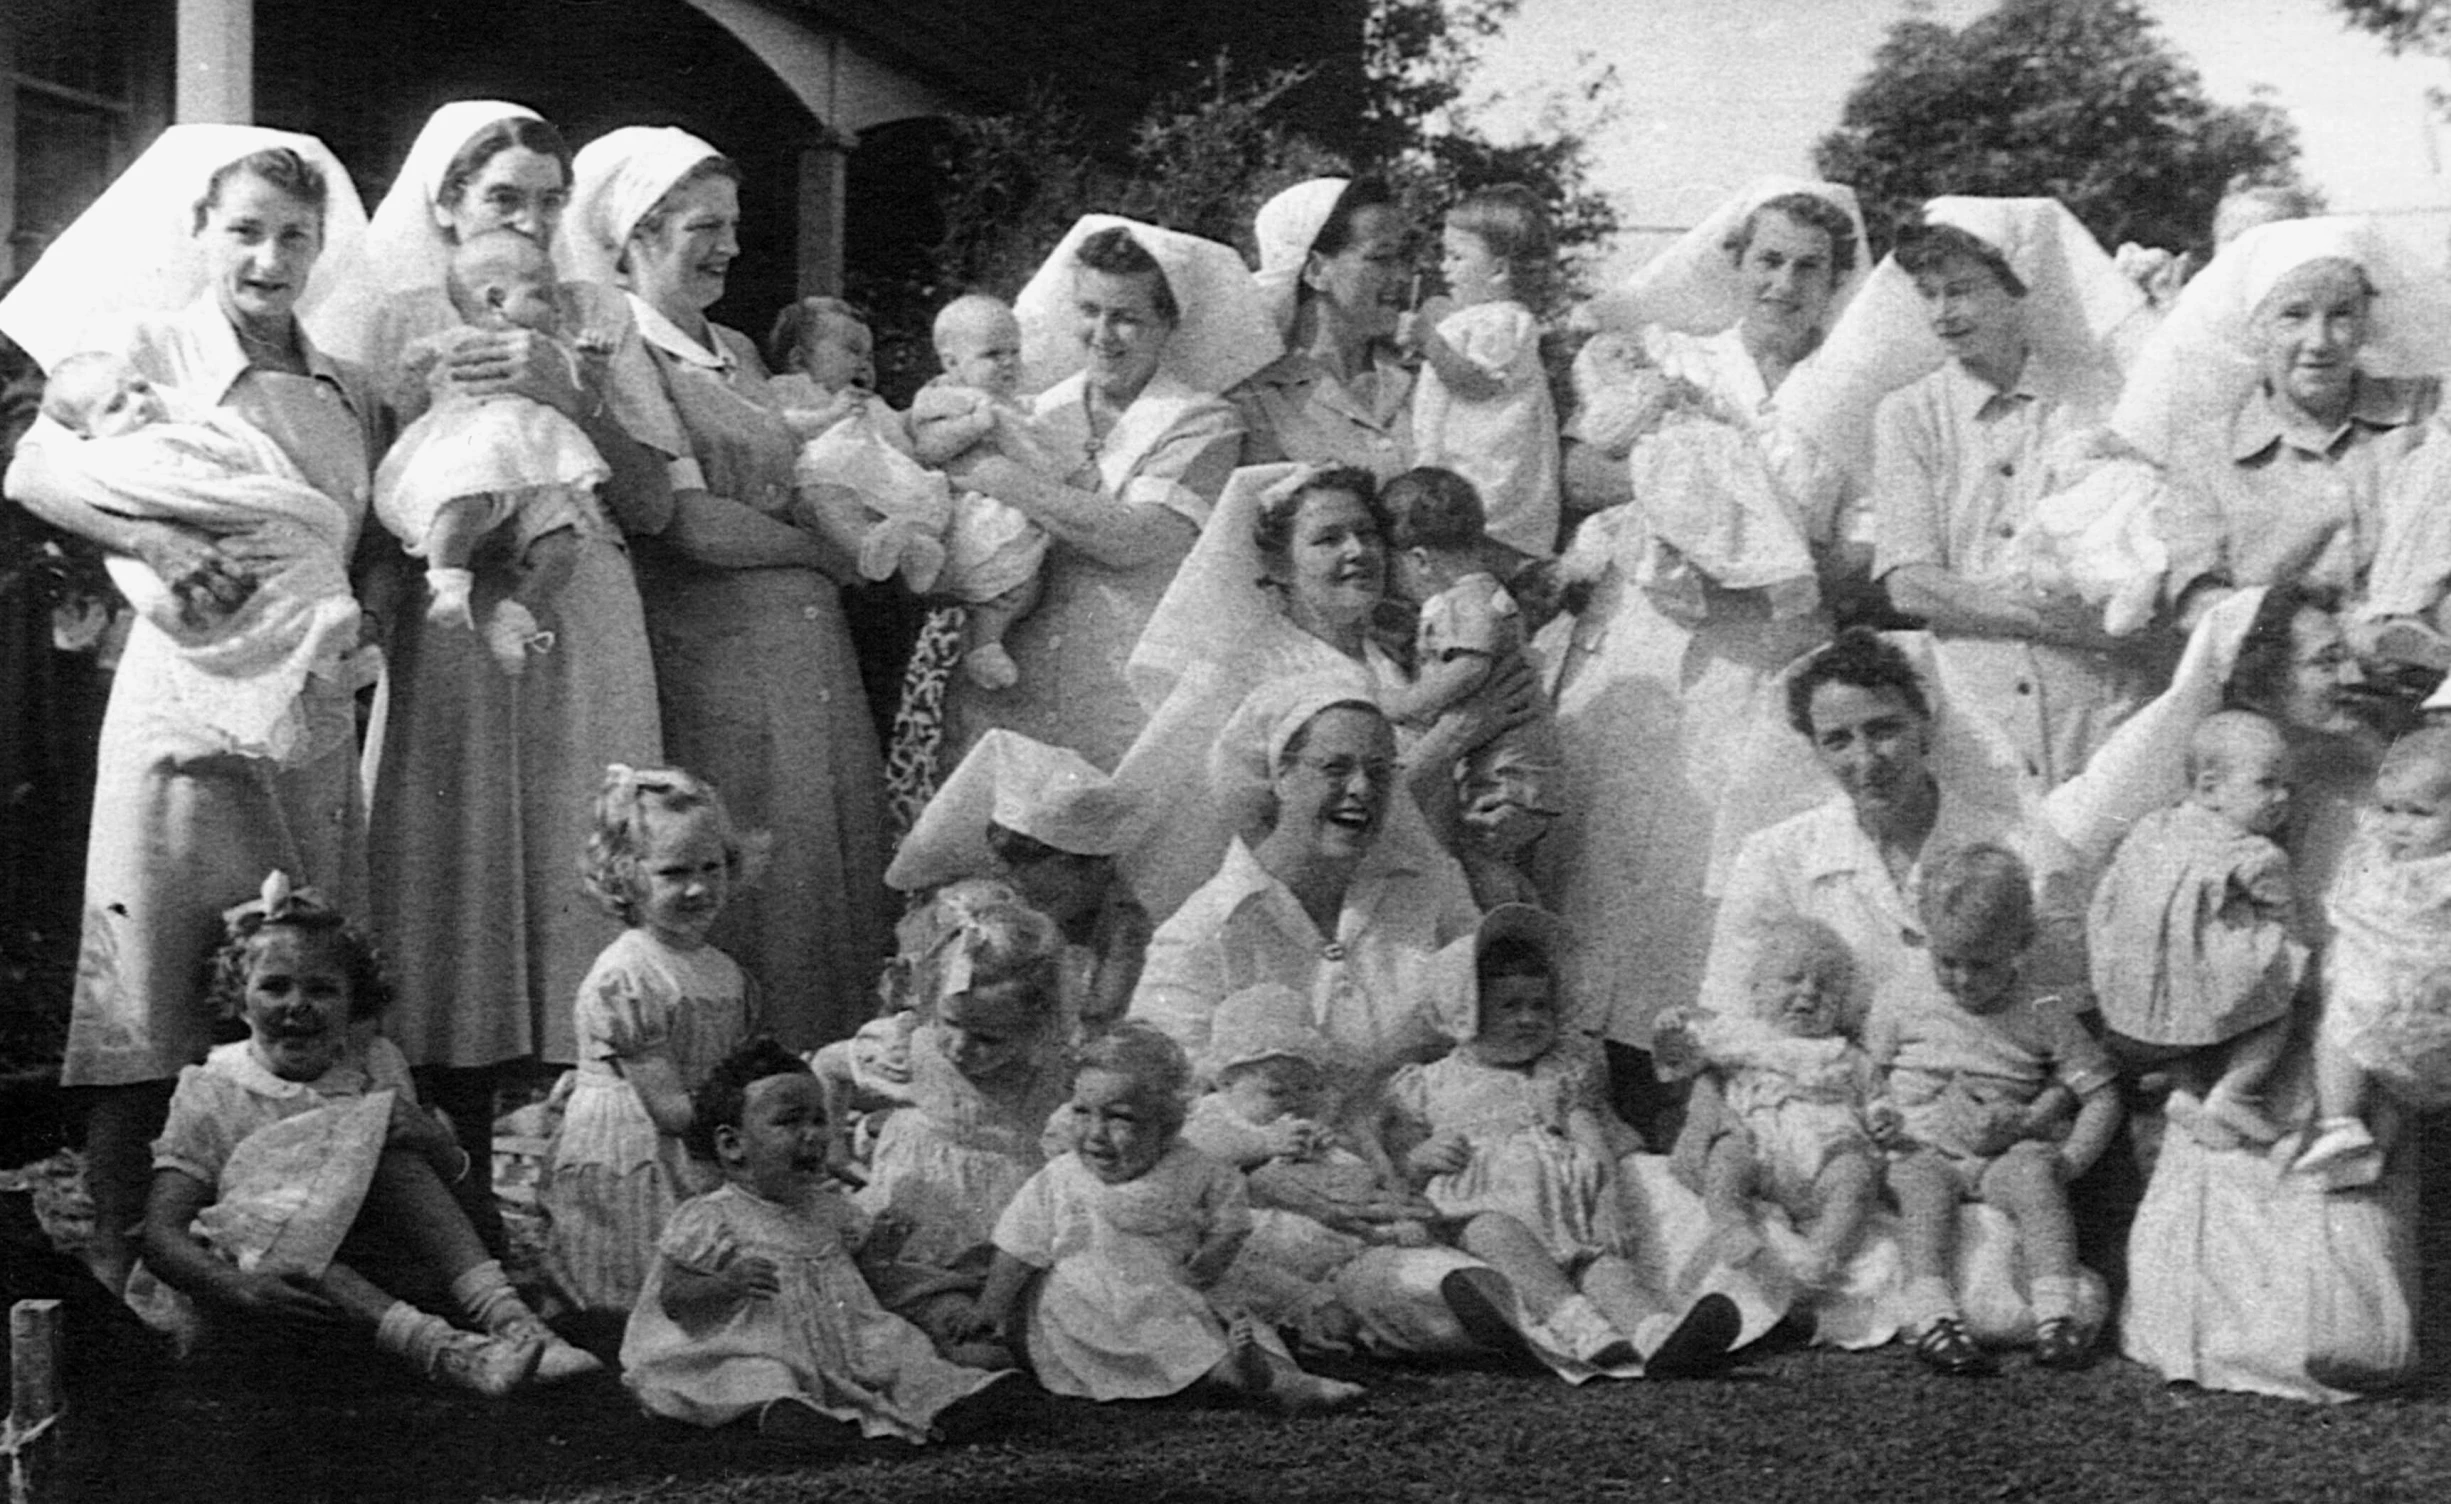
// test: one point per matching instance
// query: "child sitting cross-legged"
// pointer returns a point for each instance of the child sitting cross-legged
(757, 1307)
(1133, 1229)
(1981, 1076)
(296, 1168)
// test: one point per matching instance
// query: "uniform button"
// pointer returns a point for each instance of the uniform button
(2006, 530)
(2024, 687)
(2008, 467)
(1332, 951)
(809, 611)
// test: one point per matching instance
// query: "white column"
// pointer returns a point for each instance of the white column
(821, 213)
(216, 62)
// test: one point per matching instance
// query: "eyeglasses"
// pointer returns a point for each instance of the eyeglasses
(1341, 770)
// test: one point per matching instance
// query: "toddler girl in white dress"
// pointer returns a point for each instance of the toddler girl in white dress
(1133, 1228)
(1507, 1138)
(657, 1010)
(504, 465)
(756, 1306)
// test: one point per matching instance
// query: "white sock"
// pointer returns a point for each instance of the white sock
(2055, 1296)
(1927, 1300)
(485, 1293)
(410, 1333)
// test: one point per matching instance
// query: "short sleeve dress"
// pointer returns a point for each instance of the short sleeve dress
(821, 1339)
(1522, 1162)
(614, 1177)
(761, 695)
(2189, 932)
(1116, 1319)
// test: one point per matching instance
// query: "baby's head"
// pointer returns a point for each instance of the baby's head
(1435, 525)
(826, 340)
(1266, 1057)
(99, 396)
(761, 1118)
(500, 278)
(1803, 980)
(1497, 246)
(2412, 796)
(2238, 767)
(1514, 973)
(993, 981)
(298, 975)
(664, 855)
(1128, 1101)
(1609, 361)
(978, 342)
(1977, 907)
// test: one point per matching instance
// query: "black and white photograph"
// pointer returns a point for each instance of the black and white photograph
(1181, 752)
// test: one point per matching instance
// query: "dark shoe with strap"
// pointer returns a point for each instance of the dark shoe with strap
(2062, 1344)
(1947, 1347)
(1701, 1342)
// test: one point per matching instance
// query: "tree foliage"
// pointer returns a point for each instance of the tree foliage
(2404, 25)
(2081, 100)
(1206, 159)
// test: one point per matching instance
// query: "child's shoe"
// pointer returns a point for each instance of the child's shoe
(796, 1423)
(2061, 1343)
(1483, 1304)
(1947, 1347)
(2342, 1157)
(1582, 1333)
(556, 1359)
(451, 589)
(2241, 1117)
(511, 633)
(490, 1366)
(989, 666)
(1698, 1342)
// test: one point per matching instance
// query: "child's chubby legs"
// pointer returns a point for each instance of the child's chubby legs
(1257, 1366)
(2026, 1182)
(1928, 1188)
(413, 1223)
(1580, 1321)
(2343, 1154)
(2234, 1101)
(983, 656)
(450, 544)
(1730, 1176)
(1843, 1196)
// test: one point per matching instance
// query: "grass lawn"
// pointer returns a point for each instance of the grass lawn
(1793, 1424)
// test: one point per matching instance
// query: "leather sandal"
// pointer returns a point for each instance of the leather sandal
(2061, 1343)
(1947, 1347)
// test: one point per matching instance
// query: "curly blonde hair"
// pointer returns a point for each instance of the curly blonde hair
(617, 845)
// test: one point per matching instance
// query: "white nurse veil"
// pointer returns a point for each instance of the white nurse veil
(1286, 227)
(135, 252)
(1051, 794)
(1695, 287)
(2201, 363)
(614, 180)
(2080, 312)
(405, 248)
(1226, 332)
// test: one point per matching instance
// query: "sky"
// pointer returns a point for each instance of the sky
(1716, 92)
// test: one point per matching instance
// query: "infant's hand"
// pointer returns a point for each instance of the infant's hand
(1444, 1154)
(750, 1276)
(1676, 1049)
(1884, 1123)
